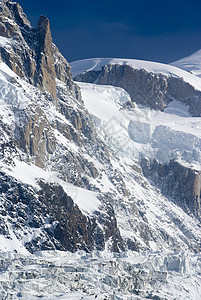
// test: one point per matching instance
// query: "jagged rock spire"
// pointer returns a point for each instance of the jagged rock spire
(46, 69)
(44, 34)
(29, 51)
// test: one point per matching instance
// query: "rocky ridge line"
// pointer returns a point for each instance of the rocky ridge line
(146, 88)
(30, 52)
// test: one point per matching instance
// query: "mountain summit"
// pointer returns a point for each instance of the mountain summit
(29, 51)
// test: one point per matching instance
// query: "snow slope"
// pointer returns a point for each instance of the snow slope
(31, 174)
(95, 64)
(191, 63)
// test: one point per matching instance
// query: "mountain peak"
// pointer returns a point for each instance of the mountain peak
(43, 24)
(30, 52)
(191, 63)
(16, 12)
(44, 34)
(47, 74)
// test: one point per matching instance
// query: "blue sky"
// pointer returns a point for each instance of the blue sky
(152, 30)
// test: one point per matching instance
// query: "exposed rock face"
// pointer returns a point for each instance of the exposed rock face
(149, 89)
(53, 218)
(63, 73)
(34, 136)
(46, 73)
(62, 225)
(181, 183)
(53, 135)
(30, 53)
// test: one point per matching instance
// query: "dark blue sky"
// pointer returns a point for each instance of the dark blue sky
(152, 30)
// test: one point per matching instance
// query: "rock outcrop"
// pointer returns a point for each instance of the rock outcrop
(180, 183)
(57, 223)
(146, 88)
(29, 51)
(46, 69)
(34, 136)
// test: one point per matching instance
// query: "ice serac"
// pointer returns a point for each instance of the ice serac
(98, 275)
(30, 52)
(149, 86)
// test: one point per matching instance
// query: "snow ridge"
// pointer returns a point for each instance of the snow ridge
(95, 64)
(191, 63)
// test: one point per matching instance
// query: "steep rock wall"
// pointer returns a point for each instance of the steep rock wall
(180, 183)
(30, 53)
(149, 89)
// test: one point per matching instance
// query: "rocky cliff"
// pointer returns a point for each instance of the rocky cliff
(30, 52)
(54, 135)
(181, 183)
(146, 88)
(47, 134)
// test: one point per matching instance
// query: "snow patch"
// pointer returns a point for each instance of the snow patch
(6, 71)
(12, 244)
(29, 174)
(5, 41)
(177, 108)
(86, 200)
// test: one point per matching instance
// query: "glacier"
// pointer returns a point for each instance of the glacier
(172, 134)
(100, 275)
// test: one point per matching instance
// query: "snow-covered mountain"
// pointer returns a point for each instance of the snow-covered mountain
(191, 63)
(161, 134)
(100, 180)
(96, 64)
(151, 84)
